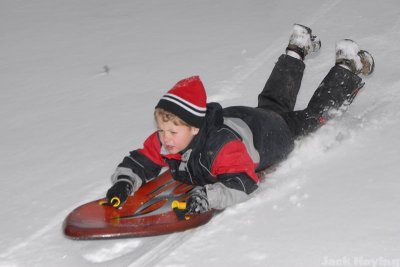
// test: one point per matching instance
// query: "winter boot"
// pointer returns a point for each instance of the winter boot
(302, 41)
(349, 55)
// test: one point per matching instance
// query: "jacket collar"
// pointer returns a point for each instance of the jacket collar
(213, 119)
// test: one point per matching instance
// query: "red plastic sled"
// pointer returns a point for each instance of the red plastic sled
(147, 213)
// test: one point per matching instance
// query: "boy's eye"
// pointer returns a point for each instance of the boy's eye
(162, 132)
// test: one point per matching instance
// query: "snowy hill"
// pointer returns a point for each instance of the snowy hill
(80, 79)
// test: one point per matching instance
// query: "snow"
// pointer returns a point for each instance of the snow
(80, 79)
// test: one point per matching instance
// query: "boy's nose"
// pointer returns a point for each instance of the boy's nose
(167, 138)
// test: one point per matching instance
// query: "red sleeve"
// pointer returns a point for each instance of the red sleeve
(152, 150)
(234, 158)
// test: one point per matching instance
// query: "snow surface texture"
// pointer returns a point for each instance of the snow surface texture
(80, 79)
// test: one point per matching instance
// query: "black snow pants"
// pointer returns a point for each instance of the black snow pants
(280, 93)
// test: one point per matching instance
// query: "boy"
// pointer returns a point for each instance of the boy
(221, 150)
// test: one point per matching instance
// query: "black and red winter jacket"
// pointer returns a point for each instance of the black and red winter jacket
(231, 146)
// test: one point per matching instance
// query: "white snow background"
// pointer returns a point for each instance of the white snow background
(79, 81)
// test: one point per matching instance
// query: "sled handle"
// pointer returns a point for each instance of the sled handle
(180, 205)
(180, 209)
(114, 202)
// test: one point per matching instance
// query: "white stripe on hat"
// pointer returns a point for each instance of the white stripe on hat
(200, 109)
(192, 108)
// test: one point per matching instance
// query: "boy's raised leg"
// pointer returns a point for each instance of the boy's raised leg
(280, 91)
(339, 87)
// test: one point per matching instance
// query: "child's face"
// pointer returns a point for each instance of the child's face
(175, 138)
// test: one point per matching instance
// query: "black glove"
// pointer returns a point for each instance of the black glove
(197, 201)
(119, 193)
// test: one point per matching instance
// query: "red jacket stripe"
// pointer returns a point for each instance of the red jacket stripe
(234, 158)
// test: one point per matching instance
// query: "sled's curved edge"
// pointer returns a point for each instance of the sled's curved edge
(147, 213)
(76, 232)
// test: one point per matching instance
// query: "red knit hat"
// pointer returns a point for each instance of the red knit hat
(187, 100)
